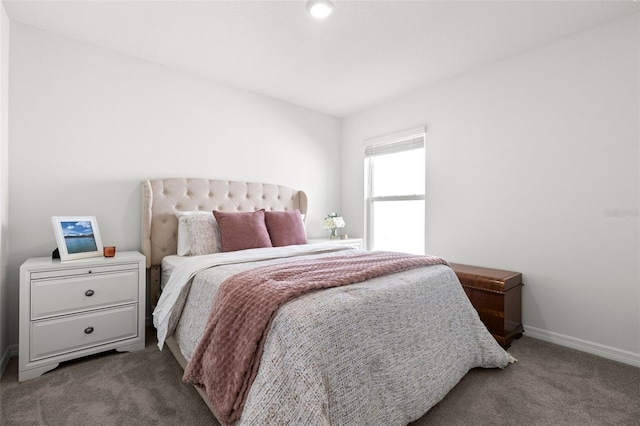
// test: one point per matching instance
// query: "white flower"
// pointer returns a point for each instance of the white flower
(333, 221)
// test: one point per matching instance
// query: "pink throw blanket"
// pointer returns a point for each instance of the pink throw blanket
(227, 357)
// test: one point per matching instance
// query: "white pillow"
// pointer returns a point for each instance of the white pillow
(198, 233)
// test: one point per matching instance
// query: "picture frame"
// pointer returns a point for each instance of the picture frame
(77, 237)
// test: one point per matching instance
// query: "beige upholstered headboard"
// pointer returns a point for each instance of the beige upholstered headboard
(163, 198)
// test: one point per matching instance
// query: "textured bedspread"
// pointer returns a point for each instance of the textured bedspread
(228, 355)
(377, 352)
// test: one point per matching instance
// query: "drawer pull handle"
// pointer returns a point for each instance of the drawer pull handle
(88, 330)
(89, 293)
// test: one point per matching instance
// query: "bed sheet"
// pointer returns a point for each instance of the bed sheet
(169, 264)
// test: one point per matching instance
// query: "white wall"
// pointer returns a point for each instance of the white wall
(88, 124)
(4, 192)
(526, 160)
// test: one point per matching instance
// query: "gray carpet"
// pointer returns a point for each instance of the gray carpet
(549, 385)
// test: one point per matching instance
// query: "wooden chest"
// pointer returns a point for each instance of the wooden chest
(497, 296)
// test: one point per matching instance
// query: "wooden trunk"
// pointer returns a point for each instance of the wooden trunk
(497, 296)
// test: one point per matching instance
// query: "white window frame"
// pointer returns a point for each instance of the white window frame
(397, 142)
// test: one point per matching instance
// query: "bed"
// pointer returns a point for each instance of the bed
(380, 350)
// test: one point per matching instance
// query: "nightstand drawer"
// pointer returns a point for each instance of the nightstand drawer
(75, 332)
(72, 269)
(74, 294)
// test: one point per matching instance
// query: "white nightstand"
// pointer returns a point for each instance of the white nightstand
(353, 242)
(80, 307)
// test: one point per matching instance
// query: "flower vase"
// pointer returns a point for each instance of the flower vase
(334, 233)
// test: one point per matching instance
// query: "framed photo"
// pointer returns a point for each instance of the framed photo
(77, 237)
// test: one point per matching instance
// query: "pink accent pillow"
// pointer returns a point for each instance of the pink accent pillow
(239, 231)
(285, 228)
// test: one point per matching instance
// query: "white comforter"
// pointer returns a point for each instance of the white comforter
(379, 352)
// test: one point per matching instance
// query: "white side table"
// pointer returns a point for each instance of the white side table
(352, 242)
(79, 307)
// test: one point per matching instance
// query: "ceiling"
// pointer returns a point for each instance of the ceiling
(365, 53)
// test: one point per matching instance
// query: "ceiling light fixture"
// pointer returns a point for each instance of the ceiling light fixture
(320, 9)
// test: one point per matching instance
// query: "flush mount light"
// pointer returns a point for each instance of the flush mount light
(320, 9)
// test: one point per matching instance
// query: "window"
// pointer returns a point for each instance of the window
(395, 198)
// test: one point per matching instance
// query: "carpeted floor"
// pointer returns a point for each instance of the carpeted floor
(549, 385)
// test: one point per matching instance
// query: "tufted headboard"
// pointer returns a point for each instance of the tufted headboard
(163, 198)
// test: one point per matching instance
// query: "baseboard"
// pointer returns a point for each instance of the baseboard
(608, 352)
(11, 351)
